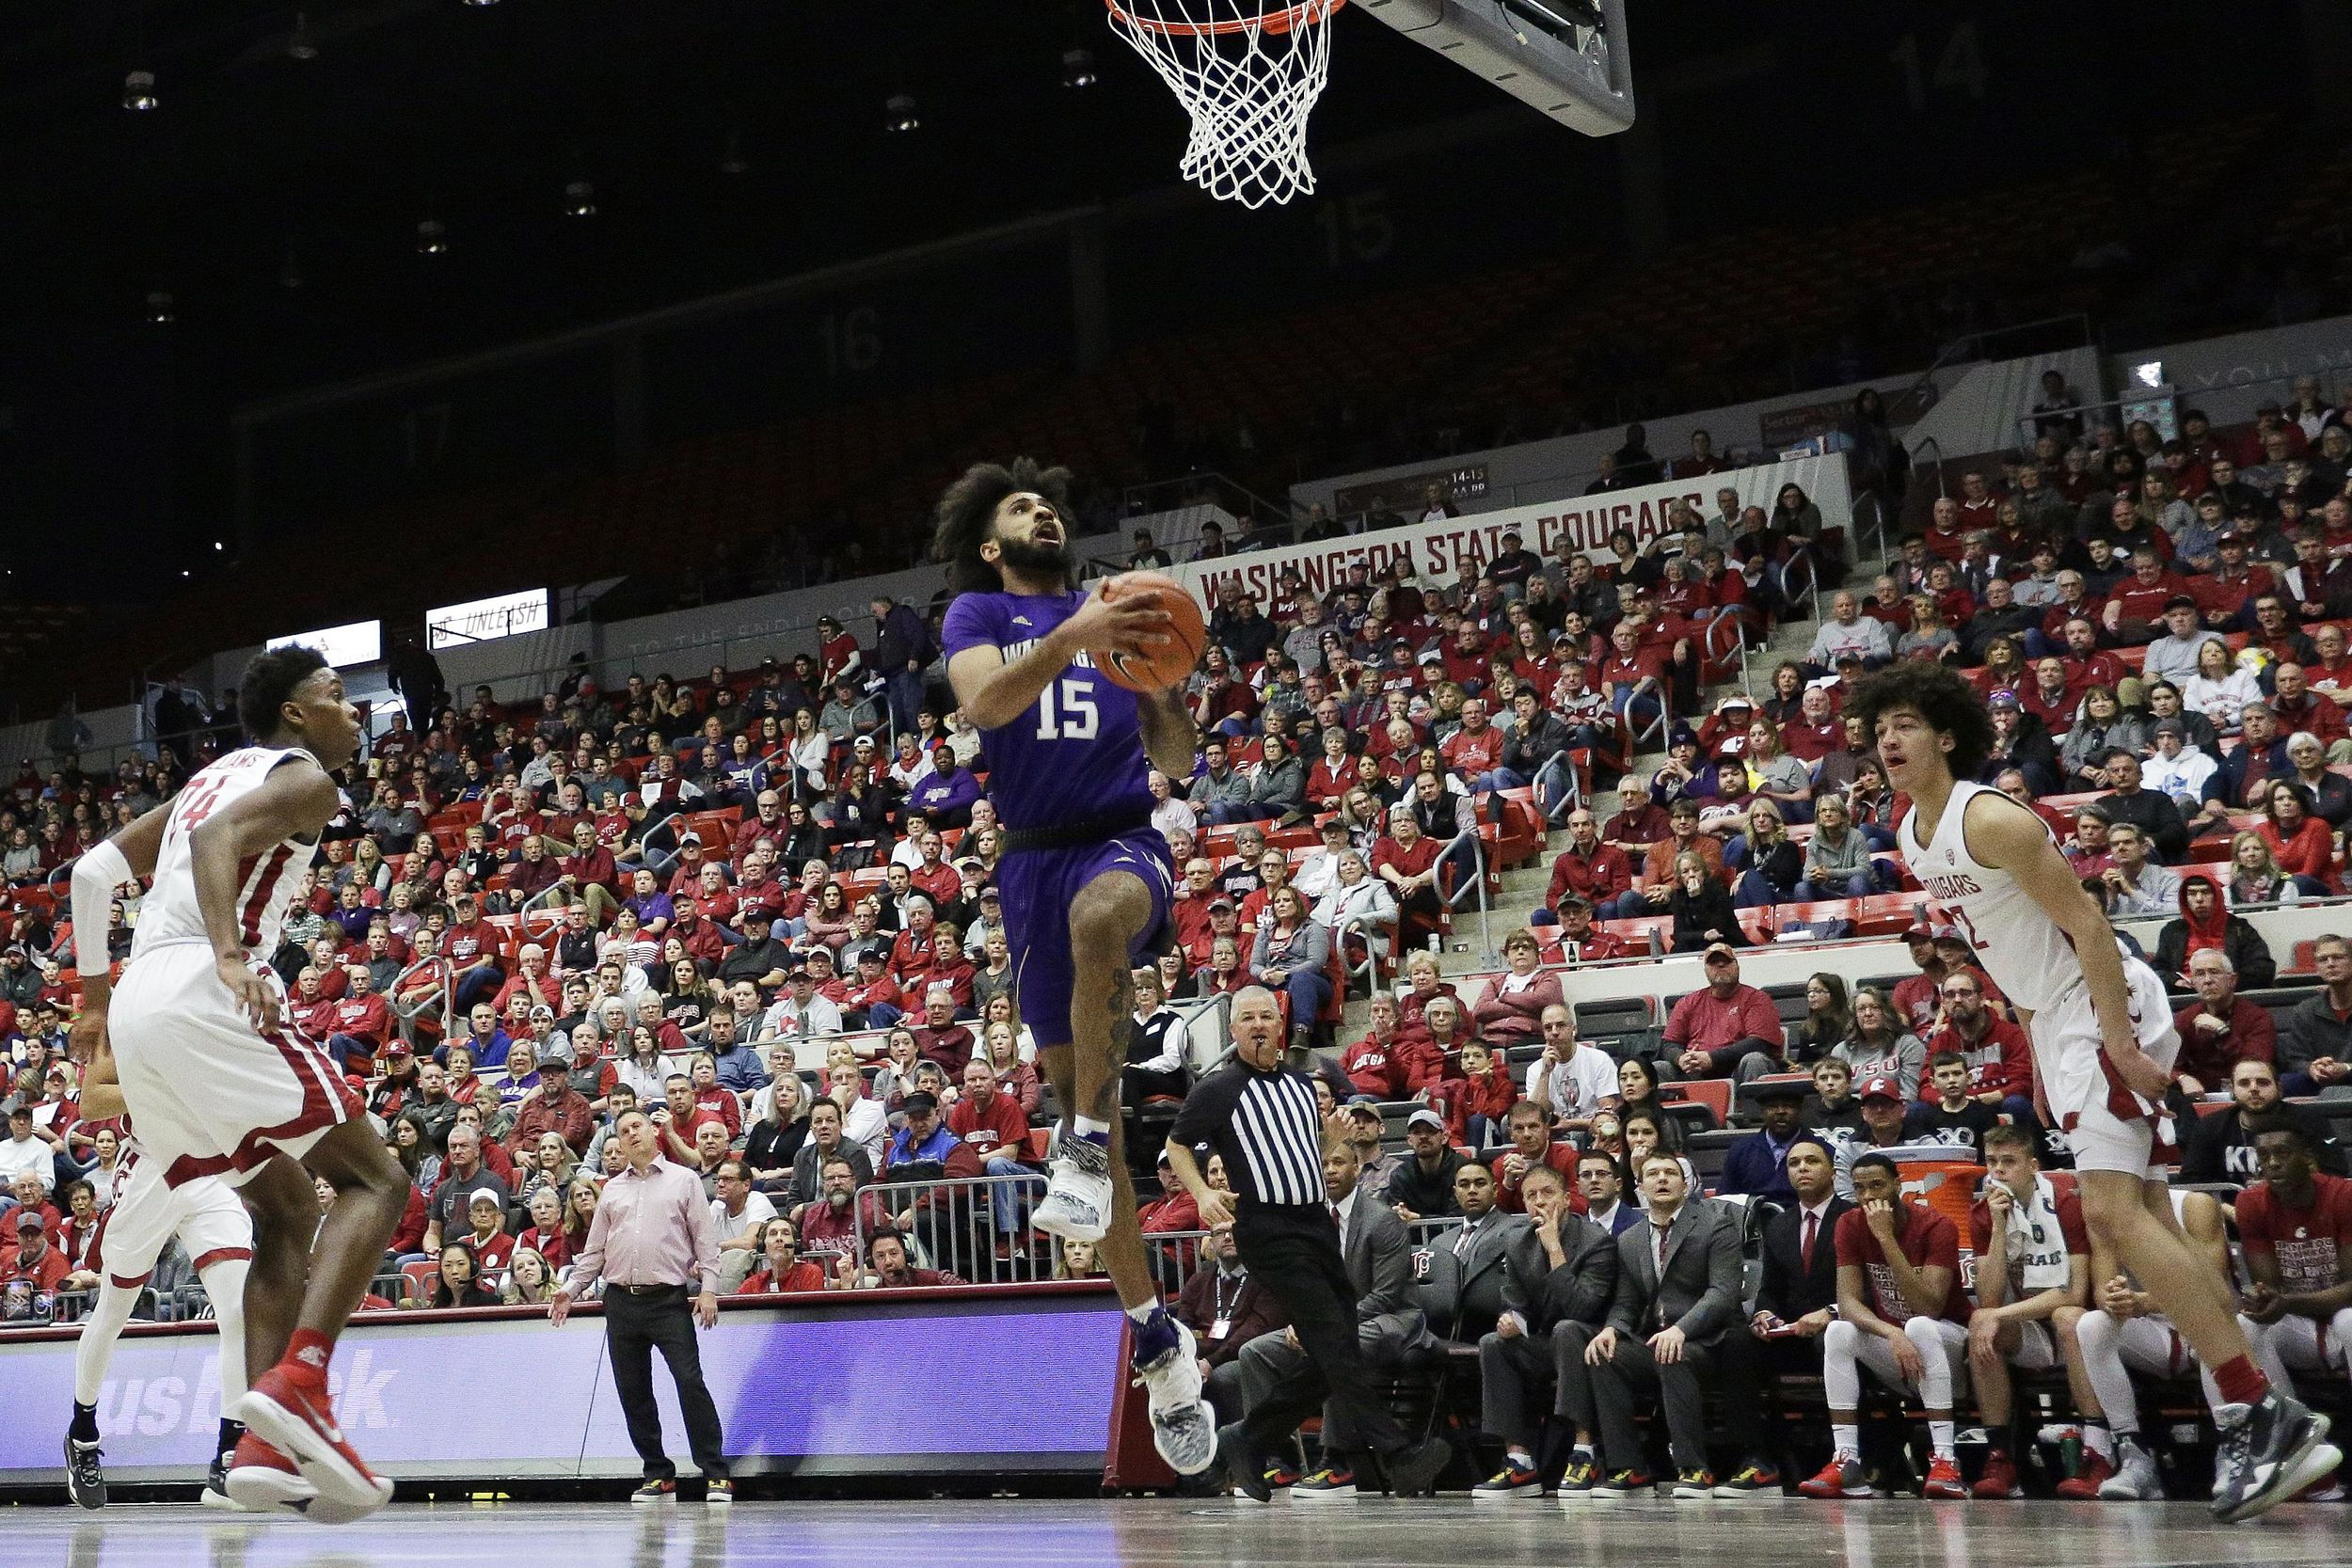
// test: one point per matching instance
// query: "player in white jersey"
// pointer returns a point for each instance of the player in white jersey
(2101, 1044)
(220, 1084)
(209, 1218)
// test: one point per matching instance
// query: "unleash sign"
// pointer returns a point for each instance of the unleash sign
(1023, 1382)
(1435, 552)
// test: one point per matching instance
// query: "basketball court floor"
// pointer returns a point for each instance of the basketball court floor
(1369, 1533)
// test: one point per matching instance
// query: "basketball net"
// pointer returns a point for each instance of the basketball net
(1247, 71)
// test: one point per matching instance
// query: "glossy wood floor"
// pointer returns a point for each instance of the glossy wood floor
(1367, 1533)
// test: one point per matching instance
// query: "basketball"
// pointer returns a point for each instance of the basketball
(1169, 664)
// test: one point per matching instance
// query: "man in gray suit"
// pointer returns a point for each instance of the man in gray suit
(1481, 1247)
(1563, 1268)
(1379, 1252)
(1678, 1283)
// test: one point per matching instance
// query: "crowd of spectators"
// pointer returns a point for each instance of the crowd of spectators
(763, 905)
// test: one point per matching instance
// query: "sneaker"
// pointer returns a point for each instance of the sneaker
(1579, 1480)
(1077, 1202)
(662, 1489)
(1236, 1454)
(2323, 1492)
(1944, 1479)
(2269, 1453)
(216, 1493)
(1328, 1485)
(1841, 1476)
(1620, 1485)
(1182, 1427)
(2095, 1471)
(84, 1473)
(1280, 1476)
(1414, 1473)
(2136, 1479)
(302, 1427)
(719, 1492)
(1514, 1481)
(1998, 1480)
(262, 1479)
(1757, 1479)
(1693, 1486)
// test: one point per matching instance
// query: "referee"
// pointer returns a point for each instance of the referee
(650, 1242)
(1261, 1118)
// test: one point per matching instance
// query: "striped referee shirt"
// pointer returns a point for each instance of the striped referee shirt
(1265, 1126)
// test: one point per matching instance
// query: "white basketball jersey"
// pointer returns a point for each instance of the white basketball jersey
(2023, 949)
(266, 883)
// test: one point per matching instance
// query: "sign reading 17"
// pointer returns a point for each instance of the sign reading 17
(1077, 718)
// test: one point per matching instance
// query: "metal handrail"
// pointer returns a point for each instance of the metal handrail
(1477, 880)
(407, 1013)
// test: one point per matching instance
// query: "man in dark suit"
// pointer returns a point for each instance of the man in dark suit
(1226, 1309)
(1482, 1246)
(1561, 1268)
(1679, 1284)
(1797, 1298)
(1379, 1252)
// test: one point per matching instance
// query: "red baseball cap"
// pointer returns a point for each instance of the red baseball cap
(1881, 1085)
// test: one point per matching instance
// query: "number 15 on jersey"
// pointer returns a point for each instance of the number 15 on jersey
(1069, 716)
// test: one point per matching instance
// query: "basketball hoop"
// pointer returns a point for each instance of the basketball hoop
(1246, 71)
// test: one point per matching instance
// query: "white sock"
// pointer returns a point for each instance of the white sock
(1940, 1437)
(1143, 1314)
(1845, 1438)
(1086, 1127)
(100, 1331)
(2100, 1440)
(224, 1282)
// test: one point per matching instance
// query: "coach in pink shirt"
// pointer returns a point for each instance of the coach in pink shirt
(653, 1247)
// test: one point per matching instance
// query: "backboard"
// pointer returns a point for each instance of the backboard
(1567, 57)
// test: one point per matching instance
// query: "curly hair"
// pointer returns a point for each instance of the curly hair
(269, 682)
(1940, 695)
(969, 507)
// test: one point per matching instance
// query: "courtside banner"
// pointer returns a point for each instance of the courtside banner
(814, 1385)
(1434, 552)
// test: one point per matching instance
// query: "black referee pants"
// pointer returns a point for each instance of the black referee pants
(634, 1326)
(1294, 1251)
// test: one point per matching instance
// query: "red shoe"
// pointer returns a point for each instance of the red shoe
(1840, 1477)
(294, 1415)
(2082, 1485)
(1944, 1479)
(2000, 1479)
(260, 1480)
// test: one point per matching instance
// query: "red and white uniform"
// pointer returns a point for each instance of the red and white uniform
(208, 1093)
(2032, 961)
(204, 1212)
(2312, 1248)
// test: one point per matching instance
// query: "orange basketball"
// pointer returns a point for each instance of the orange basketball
(1170, 663)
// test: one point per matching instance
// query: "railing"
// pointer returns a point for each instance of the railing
(1474, 884)
(440, 1001)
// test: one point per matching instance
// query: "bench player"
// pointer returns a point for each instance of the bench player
(218, 1084)
(1086, 879)
(212, 1225)
(2103, 1040)
(2033, 1274)
(2296, 1226)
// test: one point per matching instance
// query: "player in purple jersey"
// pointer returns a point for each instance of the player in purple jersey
(1085, 877)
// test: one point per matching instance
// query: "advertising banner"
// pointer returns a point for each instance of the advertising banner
(1435, 552)
(1019, 1381)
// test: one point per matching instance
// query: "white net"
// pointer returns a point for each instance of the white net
(1247, 71)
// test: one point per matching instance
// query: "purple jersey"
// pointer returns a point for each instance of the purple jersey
(1077, 751)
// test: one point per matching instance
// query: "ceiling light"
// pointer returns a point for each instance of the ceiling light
(138, 92)
(1078, 68)
(160, 309)
(899, 112)
(432, 238)
(301, 45)
(732, 160)
(579, 200)
(290, 274)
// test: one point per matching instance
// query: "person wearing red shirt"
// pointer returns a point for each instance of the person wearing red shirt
(1727, 1029)
(1817, 731)
(700, 937)
(1464, 656)
(314, 1010)
(1628, 665)
(1999, 1057)
(2052, 697)
(471, 947)
(2087, 663)
(993, 1127)
(1531, 1145)
(1475, 751)
(911, 949)
(1588, 868)
(361, 1021)
(2296, 1226)
(934, 877)
(1904, 1314)
(2135, 609)
(2222, 1028)
(1511, 1009)
(1372, 1063)
(1407, 861)
(768, 828)
(1432, 1057)
(1576, 930)
(1638, 822)
(486, 1237)
(1423, 985)
(2299, 838)
(1274, 873)
(940, 1038)
(783, 1271)
(2296, 706)
(872, 999)
(37, 1261)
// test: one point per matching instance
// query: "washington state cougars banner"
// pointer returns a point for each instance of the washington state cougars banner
(1434, 552)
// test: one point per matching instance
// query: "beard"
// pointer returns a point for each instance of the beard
(836, 1201)
(1029, 557)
